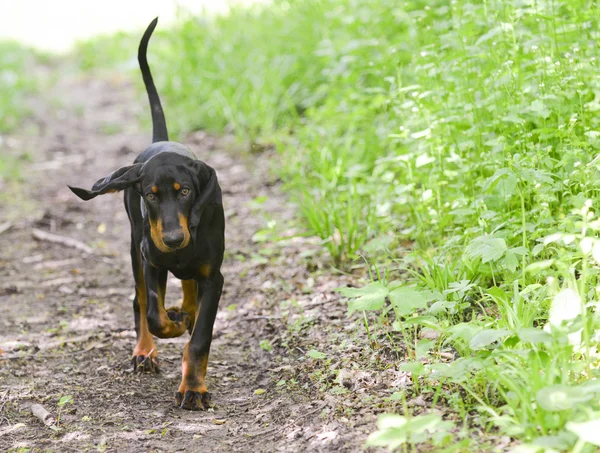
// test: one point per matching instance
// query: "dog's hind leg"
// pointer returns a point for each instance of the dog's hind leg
(145, 356)
(192, 393)
(162, 323)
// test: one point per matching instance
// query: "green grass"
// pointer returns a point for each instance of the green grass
(471, 129)
(19, 79)
(17, 73)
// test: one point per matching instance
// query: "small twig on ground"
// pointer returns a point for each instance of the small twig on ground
(146, 358)
(54, 356)
(62, 240)
(54, 264)
(320, 302)
(45, 417)
(253, 318)
(280, 429)
(5, 226)
(3, 401)
(319, 408)
(24, 284)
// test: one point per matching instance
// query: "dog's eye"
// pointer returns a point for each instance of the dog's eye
(151, 197)
(185, 191)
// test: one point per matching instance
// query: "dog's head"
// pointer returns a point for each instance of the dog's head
(175, 190)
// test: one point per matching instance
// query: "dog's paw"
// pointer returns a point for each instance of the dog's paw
(145, 364)
(178, 316)
(193, 401)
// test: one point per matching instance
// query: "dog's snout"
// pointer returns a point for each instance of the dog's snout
(173, 239)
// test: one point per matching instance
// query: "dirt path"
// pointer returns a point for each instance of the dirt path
(67, 324)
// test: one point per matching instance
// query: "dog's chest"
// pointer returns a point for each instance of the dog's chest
(180, 263)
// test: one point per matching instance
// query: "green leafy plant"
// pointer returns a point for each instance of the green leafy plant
(394, 431)
(64, 400)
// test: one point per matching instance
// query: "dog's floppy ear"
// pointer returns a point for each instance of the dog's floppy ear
(208, 191)
(118, 180)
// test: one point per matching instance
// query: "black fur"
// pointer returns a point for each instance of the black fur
(175, 209)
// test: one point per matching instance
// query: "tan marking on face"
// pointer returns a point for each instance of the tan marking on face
(177, 186)
(183, 222)
(154, 189)
(205, 270)
(156, 235)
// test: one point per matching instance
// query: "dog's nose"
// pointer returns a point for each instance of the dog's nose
(173, 239)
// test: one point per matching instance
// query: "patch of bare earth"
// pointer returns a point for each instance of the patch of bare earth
(67, 326)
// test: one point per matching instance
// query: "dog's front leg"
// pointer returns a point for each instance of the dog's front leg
(162, 323)
(145, 356)
(192, 393)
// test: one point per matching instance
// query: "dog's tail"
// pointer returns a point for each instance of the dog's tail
(159, 124)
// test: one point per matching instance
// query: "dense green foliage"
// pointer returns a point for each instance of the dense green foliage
(470, 129)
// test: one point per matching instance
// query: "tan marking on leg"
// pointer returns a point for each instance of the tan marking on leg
(190, 296)
(168, 327)
(205, 270)
(145, 343)
(193, 373)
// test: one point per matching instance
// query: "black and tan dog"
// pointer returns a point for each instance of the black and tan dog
(177, 225)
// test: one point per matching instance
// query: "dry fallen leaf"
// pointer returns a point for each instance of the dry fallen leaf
(219, 421)
(259, 391)
(102, 228)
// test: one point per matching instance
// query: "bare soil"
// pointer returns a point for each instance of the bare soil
(67, 324)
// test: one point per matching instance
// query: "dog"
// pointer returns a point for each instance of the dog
(175, 209)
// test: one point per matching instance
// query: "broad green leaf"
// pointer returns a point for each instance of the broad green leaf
(487, 248)
(391, 438)
(587, 431)
(423, 423)
(365, 290)
(521, 251)
(498, 294)
(413, 367)
(406, 300)
(370, 297)
(555, 398)
(592, 386)
(458, 371)
(537, 249)
(562, 442)
(441, 306)
(596, 251)
(491, 181)
(534, 336)
(386, 421)
(464, 331)
(65, 400)
(566, 305)
(314, 354)
(487, 337)
(510, 261)
(423, 347)
(539, 265)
